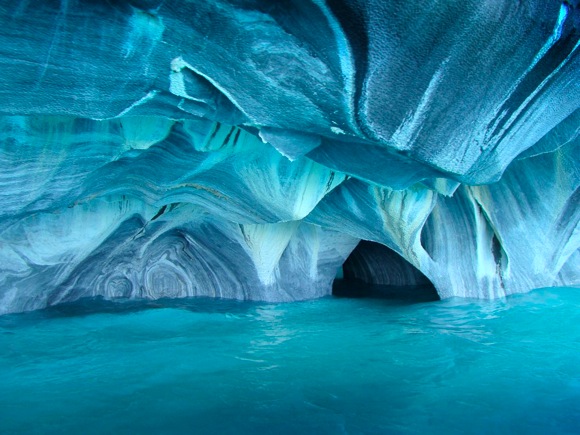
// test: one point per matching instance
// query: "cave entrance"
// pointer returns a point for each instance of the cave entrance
(373, 270)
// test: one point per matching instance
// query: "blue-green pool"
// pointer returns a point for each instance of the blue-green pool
(337, 366)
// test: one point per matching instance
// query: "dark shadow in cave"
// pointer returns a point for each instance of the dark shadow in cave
(373, 270)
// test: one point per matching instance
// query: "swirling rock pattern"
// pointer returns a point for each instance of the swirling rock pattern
(242, 148)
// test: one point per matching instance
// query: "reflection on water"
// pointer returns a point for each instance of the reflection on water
(333, 365)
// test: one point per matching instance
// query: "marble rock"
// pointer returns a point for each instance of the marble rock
(243, 148)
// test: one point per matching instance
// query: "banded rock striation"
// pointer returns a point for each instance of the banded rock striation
(243, 148)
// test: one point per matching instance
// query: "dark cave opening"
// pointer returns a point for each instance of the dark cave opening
(376, 271)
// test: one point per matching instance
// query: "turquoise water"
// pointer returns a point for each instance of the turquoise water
(339, 366)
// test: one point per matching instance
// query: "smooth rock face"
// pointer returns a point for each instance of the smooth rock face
(242, 148)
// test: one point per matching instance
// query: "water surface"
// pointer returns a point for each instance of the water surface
(333, 365)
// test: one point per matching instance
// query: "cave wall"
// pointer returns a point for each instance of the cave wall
(242, 148)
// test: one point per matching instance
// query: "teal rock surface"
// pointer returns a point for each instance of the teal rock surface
(243, 148)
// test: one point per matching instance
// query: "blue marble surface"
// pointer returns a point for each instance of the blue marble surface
(242, 148)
